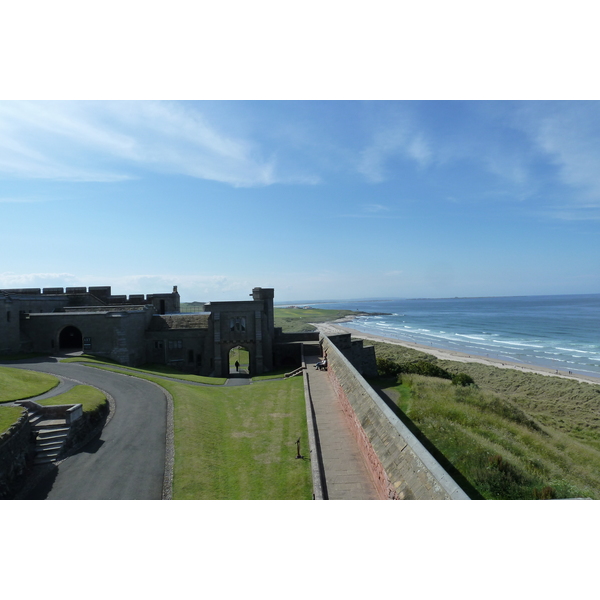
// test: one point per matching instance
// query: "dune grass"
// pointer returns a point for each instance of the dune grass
(514, 435)
(18, 384)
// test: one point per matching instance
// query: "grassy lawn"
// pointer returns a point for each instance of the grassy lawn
(235, 443)
(89, 397)
(296, 320)
(513, 435)
(8, 416)
(17, 384)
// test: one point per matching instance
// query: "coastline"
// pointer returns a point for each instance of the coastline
(336, 327)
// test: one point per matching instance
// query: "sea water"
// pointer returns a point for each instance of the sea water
(559, 332)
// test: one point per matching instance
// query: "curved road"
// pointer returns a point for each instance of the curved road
(127, 461)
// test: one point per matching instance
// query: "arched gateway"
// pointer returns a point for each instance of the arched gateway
(247, 324)
(70, 338)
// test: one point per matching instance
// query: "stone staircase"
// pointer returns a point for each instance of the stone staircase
(51, 434)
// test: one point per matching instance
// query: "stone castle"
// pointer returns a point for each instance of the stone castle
(142, 329)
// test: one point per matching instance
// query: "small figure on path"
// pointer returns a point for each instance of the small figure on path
(237, 366)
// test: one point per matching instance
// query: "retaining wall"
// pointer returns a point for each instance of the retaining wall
(402, 467)
(16, 448)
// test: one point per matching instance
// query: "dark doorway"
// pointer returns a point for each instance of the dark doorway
(70, 338)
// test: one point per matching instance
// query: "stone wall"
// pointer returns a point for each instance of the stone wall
(16, 448)
(402, 467)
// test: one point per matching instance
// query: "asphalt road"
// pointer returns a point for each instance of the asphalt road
(127, 461)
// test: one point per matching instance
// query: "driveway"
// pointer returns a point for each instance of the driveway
(127, 460)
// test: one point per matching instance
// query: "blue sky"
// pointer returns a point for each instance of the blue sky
(318, 199)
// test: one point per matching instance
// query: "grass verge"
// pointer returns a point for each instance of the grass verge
(17, 384)
(89, 397)
(161, 370)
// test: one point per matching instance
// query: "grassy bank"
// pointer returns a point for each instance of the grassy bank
(17, 384)
(513, 435)
(9, 415)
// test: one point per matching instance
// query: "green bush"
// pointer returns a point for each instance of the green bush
(423, 367)
(387, 368)
(462, 379)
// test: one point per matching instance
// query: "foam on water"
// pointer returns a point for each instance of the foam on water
(561, 332)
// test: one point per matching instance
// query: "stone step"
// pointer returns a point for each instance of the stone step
(50, 444)
(50, 433)
(50, 423)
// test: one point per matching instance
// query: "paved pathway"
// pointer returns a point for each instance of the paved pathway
(346, 475)
(127, 460)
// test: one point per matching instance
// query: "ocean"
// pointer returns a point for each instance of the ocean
(559, 332)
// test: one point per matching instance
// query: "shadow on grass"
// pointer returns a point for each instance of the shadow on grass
(460, 479)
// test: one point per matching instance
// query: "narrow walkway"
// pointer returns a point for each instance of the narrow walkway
(346, 475)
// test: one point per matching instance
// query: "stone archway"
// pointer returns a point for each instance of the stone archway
(240, 355)
(70, 338)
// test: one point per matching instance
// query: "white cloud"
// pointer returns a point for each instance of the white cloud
(9, 280)
(90, 141)
(567, 135)
(398, 141)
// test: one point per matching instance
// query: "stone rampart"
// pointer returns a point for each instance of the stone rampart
(16, 448)
(402, 467)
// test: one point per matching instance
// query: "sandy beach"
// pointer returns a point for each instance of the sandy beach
(341, 326)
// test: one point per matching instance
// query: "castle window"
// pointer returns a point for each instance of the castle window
(158, 344)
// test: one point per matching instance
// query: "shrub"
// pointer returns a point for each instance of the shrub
(546, 493)
(387, 368)
(462, 379)
(423, 367)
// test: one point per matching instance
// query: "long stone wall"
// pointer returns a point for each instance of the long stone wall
(402, 467)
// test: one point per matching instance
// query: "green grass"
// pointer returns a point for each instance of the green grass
(239, 442)
(17, 384)
(296, 320)
(503, 450)
(89, 397)
(9, 415)
(161, 370)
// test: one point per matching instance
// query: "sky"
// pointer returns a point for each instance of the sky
(394, 153)
(317, 199)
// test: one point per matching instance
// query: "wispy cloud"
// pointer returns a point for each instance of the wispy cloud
(90, 141)
(399, 141)
(566, 134)
(9, 280)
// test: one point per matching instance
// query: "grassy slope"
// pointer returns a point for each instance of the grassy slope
(16, 384)
(544, 429)
(8, 416)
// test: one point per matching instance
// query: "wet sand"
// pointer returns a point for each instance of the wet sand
(341, 326)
